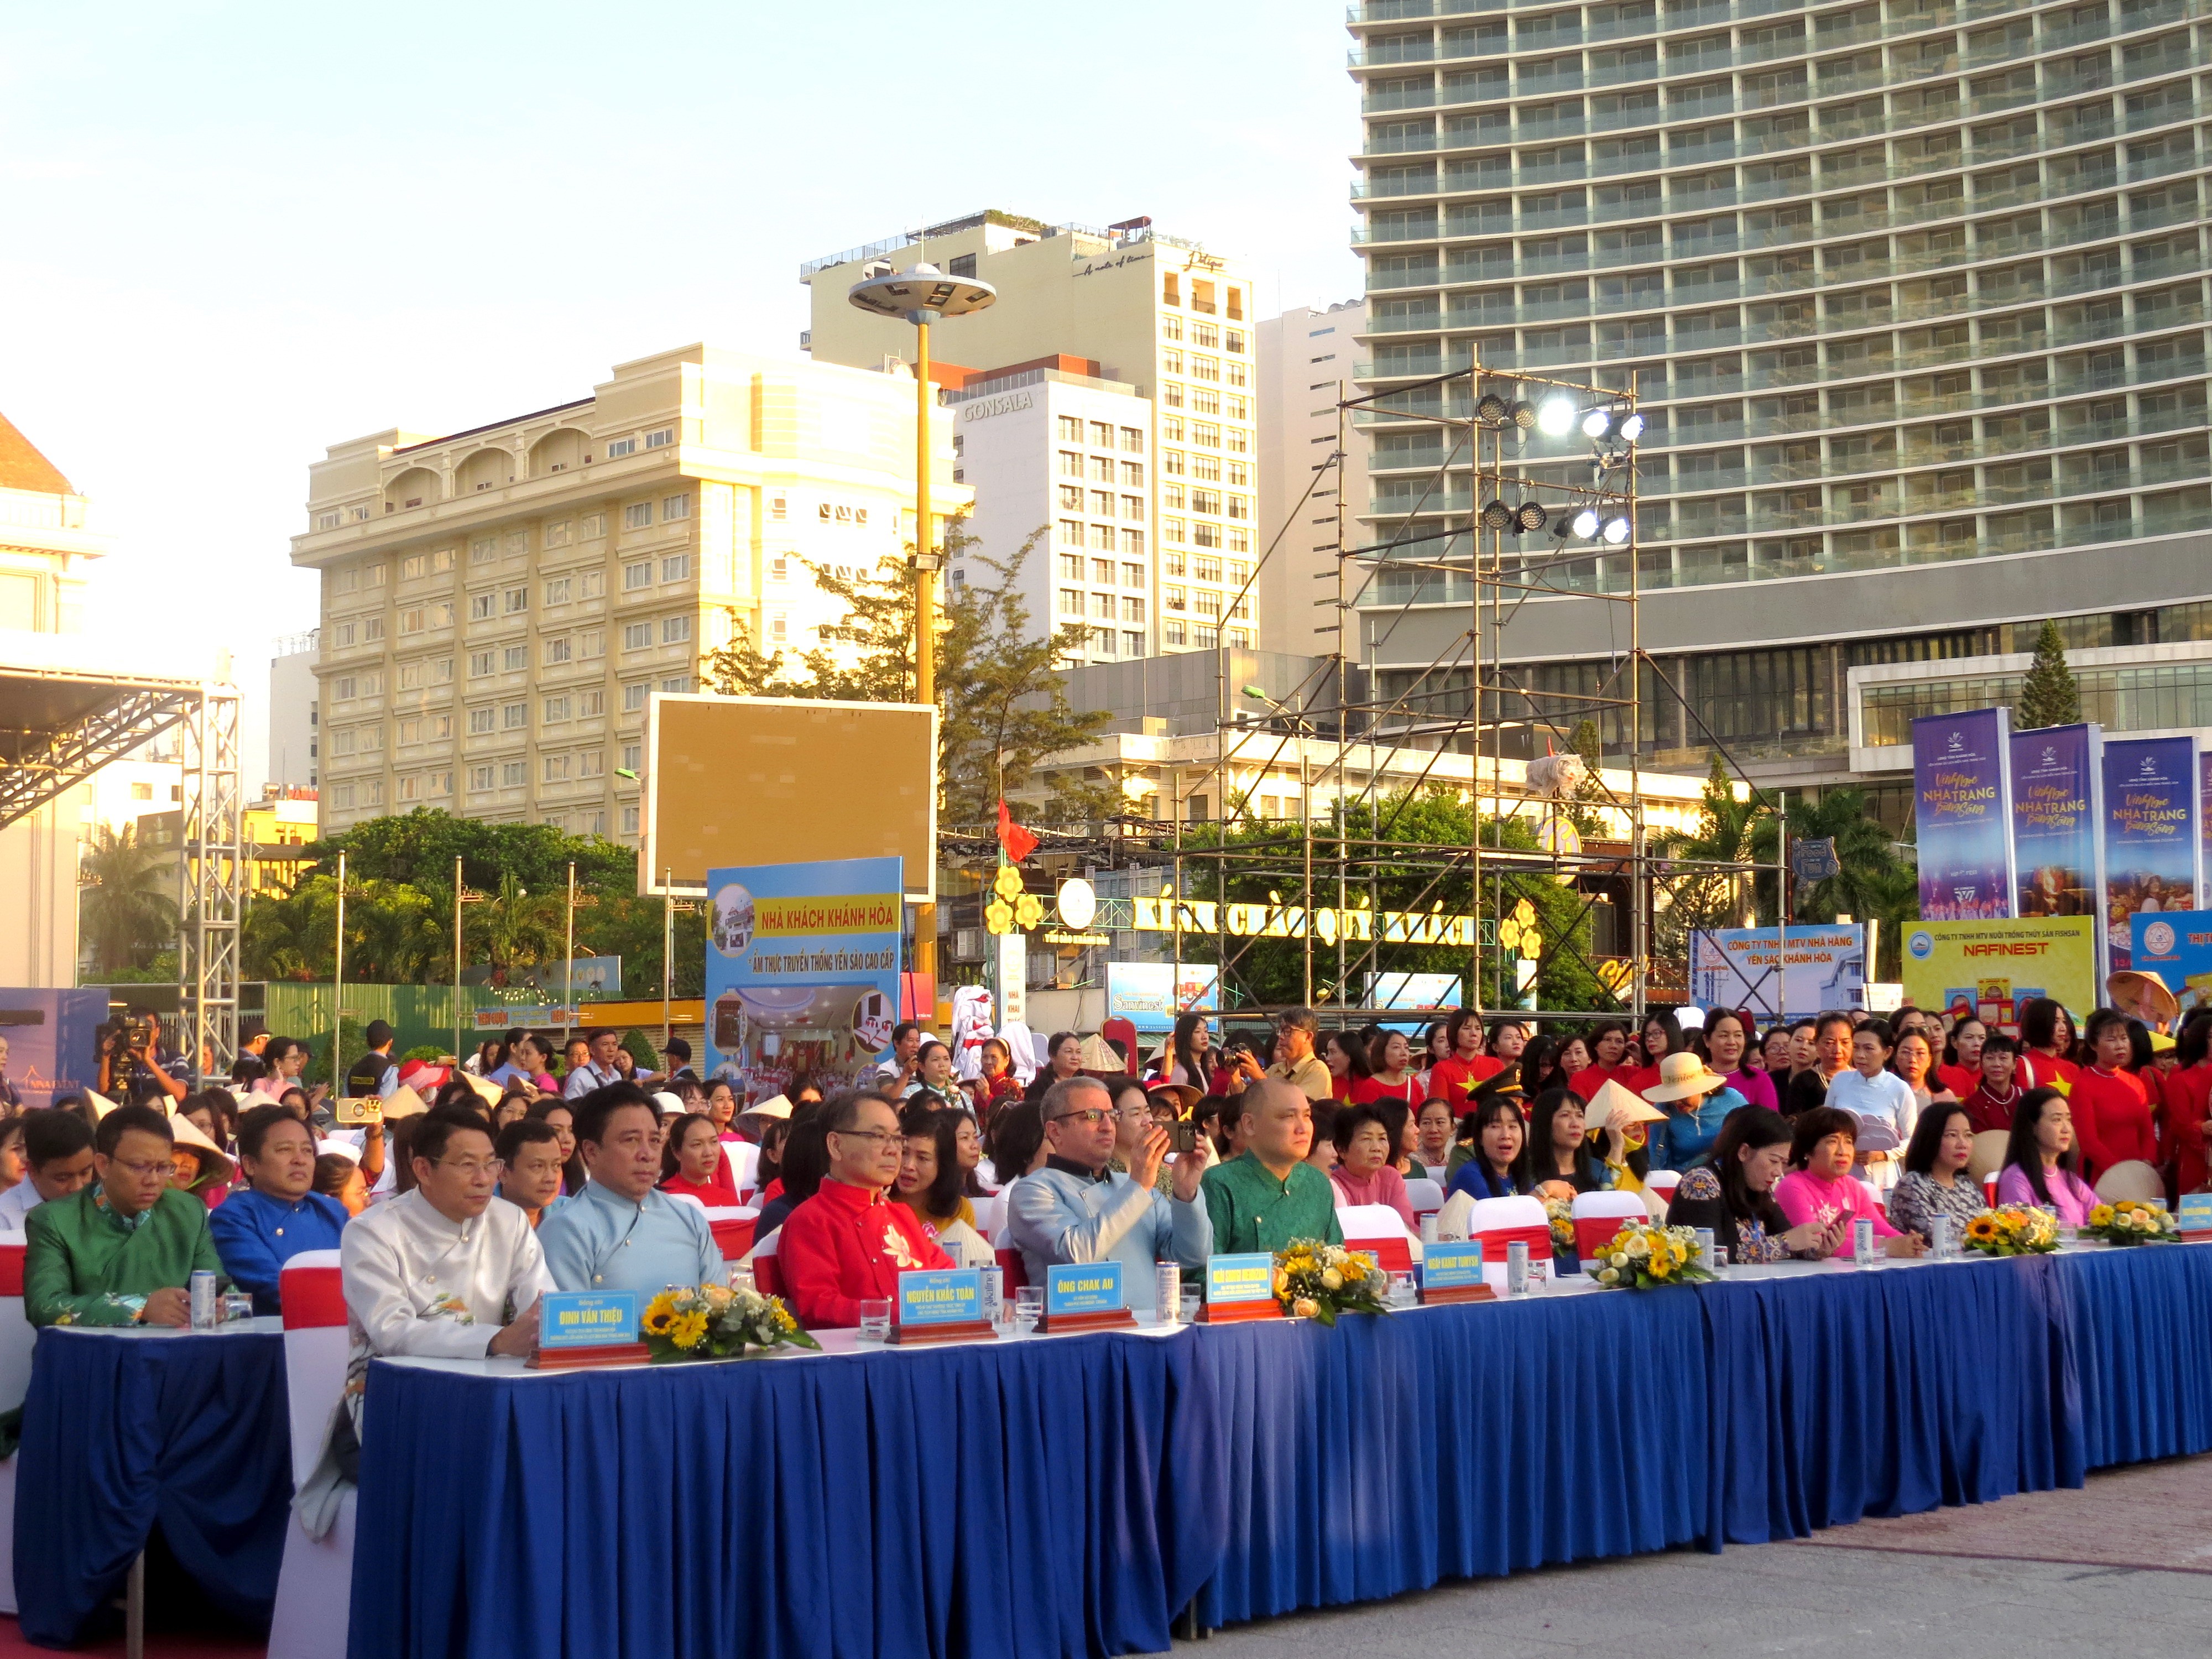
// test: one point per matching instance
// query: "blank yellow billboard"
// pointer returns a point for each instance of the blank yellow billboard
(732, 781)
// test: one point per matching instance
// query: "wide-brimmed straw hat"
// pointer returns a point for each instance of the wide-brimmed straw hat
(1681, 1076)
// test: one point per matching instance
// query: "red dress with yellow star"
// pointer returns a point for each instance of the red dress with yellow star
(847, 1245)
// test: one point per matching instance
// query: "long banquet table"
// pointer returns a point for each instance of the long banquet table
(1073, 1494)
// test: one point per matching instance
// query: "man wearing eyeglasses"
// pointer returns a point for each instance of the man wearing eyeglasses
(1079, 1209)
(122, 1250)
(848, 1243)
(620, 1234)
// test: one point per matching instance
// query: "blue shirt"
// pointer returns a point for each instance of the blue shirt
(255, 1235)
(602, 1241)
(1685, 1137)
(1061, 1214)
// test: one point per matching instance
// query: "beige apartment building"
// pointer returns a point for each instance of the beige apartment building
(1304, 368)
(1161, 317)
(500, 604)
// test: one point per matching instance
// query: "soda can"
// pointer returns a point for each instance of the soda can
(1939, 1236)
(207, 1313)
(1516, 1266)
(995, 1290)
(1705, 1248)
(1862, 1242)
(1167, 1292)
(1429, 1228)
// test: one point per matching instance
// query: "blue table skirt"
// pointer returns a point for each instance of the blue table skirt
(1059, 1496)
(121, 1432)
(2138, 1330)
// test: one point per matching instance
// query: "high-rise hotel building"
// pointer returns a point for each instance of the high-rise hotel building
(500, 604)
(1915, 292)
(1165, 322)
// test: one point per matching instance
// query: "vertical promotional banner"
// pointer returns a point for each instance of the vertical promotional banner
(2152, 841)
(802, 970)
(2055, 813)
(1964, 805)
(2204, 829)
(2176, 946)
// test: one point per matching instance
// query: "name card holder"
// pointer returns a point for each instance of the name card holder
(1239, 1288)
(939, 1306)
(580, 1330)
(1452, 1272)
(2195, 1218)
(1084, 1296)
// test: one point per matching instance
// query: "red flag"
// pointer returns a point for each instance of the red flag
(1017, 841)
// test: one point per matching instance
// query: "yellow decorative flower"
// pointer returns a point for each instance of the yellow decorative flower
(1306, 1306)
(688, 1330)
(1354, 1270)
(1982, 1228)
(2101, 1216)
(658, 1314)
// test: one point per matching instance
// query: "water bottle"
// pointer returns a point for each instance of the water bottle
(1863, 1244)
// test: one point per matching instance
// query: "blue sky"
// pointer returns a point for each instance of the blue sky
(235, 235)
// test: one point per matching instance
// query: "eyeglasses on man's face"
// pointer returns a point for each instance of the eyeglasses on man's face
(877, 1136)
(474, 1169)
(1091, 1116)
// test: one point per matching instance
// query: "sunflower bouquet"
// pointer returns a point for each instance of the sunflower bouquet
(714, 1323)
(2012, 1230)
(2129, 1221)
(1561, 1214)
(1318, 1281)
(1643, 1256)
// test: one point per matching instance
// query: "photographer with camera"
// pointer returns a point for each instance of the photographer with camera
(134, 1070)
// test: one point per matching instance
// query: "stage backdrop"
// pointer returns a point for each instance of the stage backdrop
(51, 1037)
(2152, 842)
(1988, 968)
(1964, 806)
(2177, 946)
(2056, 796)
(1734, 968)
(802, 969)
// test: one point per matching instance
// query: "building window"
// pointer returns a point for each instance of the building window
(1102, 571)
(1206, 638)
(1133, 575)
(634, 696)
(484, 549)
(779, 628)
(1172, 530)
(1132, 542)
(1071, 498)
(1203, 534)
(556, 591)
(515, 659)
(1171, 396)
(479, 664)
(1068, 530)
(1132, 645)
(1071, 602)
(618, 447)
(590, 704)
(660, 438)
(675, 630)
(372, 629)
(1132, 439)
(591, 644)
(557, 535)
(556, 652)
(556, 769)
(1102, 536)
(1174, 633)
(1208, 570)
(326, 522)
(480, 777)
(1133, 610)
(637, 576)
(637, 636)
(592, 525)
(676, 568)
(516, 599)
(632, 756)
(675, 685)
(1206, 466)
(515, 716)
(779, 508)
(480, 721)
(480, 607)
(629, 820)
(675, 508)
(343, 689)
(413, 566)
(637, 516)
(591, 763)
(513, 774)
(1071, 430)
(518, 541)
(1071, 464)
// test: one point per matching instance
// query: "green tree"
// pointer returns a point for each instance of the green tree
(1873, 881)
(126, 899)
(1589, 793)
(2048, 696)
(516, 927)
(1002, 699)
(418, 847)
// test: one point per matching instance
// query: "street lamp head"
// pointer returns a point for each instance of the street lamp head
(1254, 692)
(921, 294)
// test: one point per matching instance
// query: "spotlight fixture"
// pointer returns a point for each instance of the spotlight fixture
(1529, 518)
(1524, 414)
(1616, 531)
(1596, 424)
(1632, 428)
(1587, 524)
(1497, 516)
(1556, 417)
(1492, 410)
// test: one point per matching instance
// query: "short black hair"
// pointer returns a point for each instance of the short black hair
(51, 1135)
(1815, 1126)
(524, 1132)
(377, 1034)
(596, 1033)
(1997, 1042)
(903, 1027)
(841, 1113)
(435, 1129)
(676, 1049)
(123, 1120)
(253, 1129)
(1928, 1135)
(594, 1108)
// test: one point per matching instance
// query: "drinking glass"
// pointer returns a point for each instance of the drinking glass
(1190, 1306)
(741, 1277)
(1402, 1294)
(1028, 1306)
(875, 1320)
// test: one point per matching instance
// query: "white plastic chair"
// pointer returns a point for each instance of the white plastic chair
(1379, 1228)
(1495, 1223)
(314, 1585)
(1661, 1184)
(743, 1158)
(1598, 1216)
(1425, 1195)
(17, 1339)
(991, 1216)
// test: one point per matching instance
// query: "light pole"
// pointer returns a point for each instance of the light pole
(920, 295)
(1299, 725)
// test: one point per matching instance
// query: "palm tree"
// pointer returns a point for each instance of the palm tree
(1872, 881)
(515, 928)
(126, 901)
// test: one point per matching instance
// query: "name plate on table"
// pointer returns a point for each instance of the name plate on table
(1085, 1296)
(1452, 1272)
(2195, 1216)
(586, 1327)
(943, 1305)
(1240, 1287)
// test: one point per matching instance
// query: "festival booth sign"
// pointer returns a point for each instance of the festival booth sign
(1963, 797)
(1824, 967)
(1149, 994)
(802, 969)
(2176, 946)
(2151, 835)
(2204, 827)
(1985, 970)
(2057, 801)
(53, 1041)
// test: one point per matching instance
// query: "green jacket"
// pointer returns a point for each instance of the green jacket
(84, 1265)
(1253, 1211)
